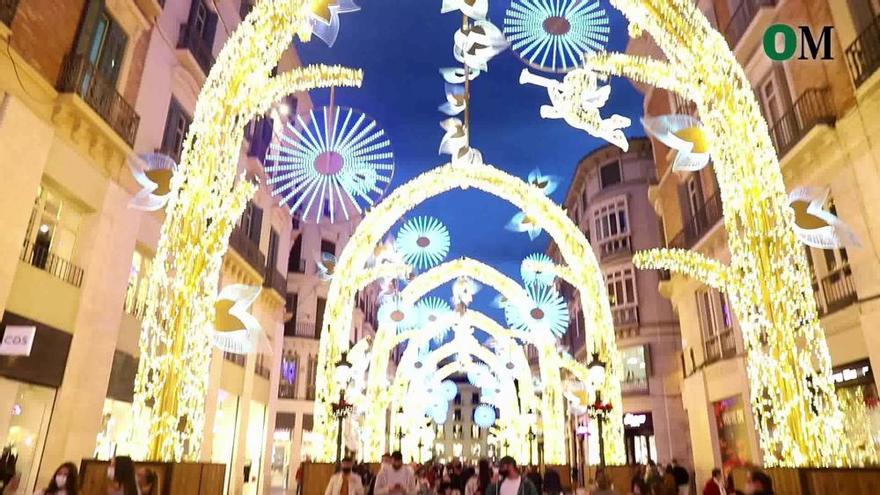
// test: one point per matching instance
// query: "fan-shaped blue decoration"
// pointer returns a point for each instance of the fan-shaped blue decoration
(340, 162)
(397, 314)
(537, 275)
(439, 411)
(448, 389)
(423, 242)
(431, 310)
(545, 312)
(545, 183)
(484, 416)
(554, 35)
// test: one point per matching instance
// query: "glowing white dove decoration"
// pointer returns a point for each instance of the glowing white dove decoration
(524, 223)
(455, 75)
(684, 134)
(475, 9)
(324, 19)
(545, 183)
(232, 306)
(455, 143)
(153, 172)
(814, 225)
(463, 291)
(477, 44)
(577, 99)
(326, 264)
(456, 100)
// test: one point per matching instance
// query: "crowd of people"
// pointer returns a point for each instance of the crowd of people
(432, 478)
(507, 478)
(122, 479)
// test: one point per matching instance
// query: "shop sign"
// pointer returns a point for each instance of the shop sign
(17, 340)
(631, 420)
(852, 374)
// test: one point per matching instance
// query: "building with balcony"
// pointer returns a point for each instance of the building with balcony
(608, 200)
(85, 85)
(460, 437)
(815, 111)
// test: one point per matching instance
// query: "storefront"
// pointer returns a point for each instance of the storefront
(733, 434)
(28, 386)
(860, 403)
(223, 444)
(638, 437)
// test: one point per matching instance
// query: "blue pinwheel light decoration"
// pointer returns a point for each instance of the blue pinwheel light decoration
(397, 314)
(335, 166)
(555, 35)
(535, 269)
(544, 313)
(423, 242)
(433, 311)
(484, 416)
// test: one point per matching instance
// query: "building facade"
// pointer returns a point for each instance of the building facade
(85, 86)
(460, 437)
(608, 201)
(815, 111)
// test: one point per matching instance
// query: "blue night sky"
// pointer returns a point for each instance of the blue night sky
(400, 45)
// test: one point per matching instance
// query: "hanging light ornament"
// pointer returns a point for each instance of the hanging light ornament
(153, 171)
(397, 314)
(455, 143)
(477, 43)
(685, 135)
(577, 99)
(235, 329)
(342, 161)
(463, 291)
(475, 9)
(554, 35)
(545, 183)
(324, 18)
(456, 75)
(544, 313)
(433, 310)
(524, 223)
(326, 264)
(484, 416)
(814, 225)
(456, 100)
(536, 269)
(423, 242)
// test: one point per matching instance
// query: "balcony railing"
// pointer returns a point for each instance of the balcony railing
(812, 108)
(632, 384)
(262, 370)
(7, 11)
(198, 47)
(863, 55)
(40, 257)
(720, 346)
(276, 281)
(619, 245)
(838, 290)
(742, 18)
(286, 390)
(238, 359)
(625, 316)
(702, 221)
(305, 329)
(248, 249)
(80, 77)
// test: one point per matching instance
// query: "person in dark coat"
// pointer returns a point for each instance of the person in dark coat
(552, 482)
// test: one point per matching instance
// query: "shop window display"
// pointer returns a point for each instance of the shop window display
(23, 425)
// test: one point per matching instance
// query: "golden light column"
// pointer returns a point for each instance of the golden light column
(207, 198)
(798, 415)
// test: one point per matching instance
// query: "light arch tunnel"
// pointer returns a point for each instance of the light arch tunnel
(581, 270)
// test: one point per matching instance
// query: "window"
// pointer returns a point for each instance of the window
(252, 222)
(202, 22)
(456, 415)
(311, 377)
(295, 262)
(457, 399)
(272, 254)
(245, 8)
(52, 227)
(319, 316)
(612, 227)
(259, 135)
(775, 101)
(290, 325)
(609, 174)
(635, 369)
(328, 247)
(475, 431)
(456, 432)
(176, 126)
(716, 322)
(475, 398)
(102, 41)
(136, 293)
(622, 296)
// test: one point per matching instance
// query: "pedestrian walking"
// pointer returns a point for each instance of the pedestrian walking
(715, 485)
(509, 481)
(64, 481)
(758, 483)
(682, 478)
(345, 481)
(396, 479)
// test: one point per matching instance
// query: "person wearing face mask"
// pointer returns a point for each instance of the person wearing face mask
(509, 481)
(397, 479)
(758, 483)
(64, 481)
(121, 477)
(345, 482)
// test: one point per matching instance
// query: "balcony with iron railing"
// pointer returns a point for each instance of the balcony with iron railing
(80, 77)
(276, 281)
(305, 329)
(811, 109)
(262, 370)
(716, 348)
(248, 249)
(286, 390)
(40, 257)
(863, 55)
(625, 316)
(615, 246)
(232, 357)
(742, 18)
(200, 50)
(709, 214)
(836, 290)
(7, 11)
